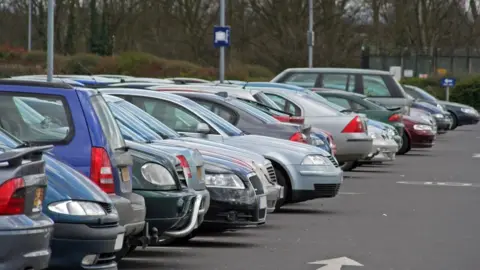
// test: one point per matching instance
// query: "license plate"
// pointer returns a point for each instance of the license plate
(37, 202)
(125, 174)
(263, 202)
(119, 242)
(199, 172)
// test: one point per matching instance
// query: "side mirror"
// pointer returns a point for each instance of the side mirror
(203, 128)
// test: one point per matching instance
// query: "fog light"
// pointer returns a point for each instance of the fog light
(89, 259)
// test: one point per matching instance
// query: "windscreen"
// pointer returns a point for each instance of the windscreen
(268, 119)
(108, 123)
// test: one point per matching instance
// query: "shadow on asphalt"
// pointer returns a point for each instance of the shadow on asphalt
(302, 211)
(131, 263)
(372, 171)
(215, 244)
(238, 233)
(420, 154)
(355, 177)
(158, 253)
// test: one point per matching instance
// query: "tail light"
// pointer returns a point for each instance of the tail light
(185, 166)
(299, 137)
(354, 126)
(297, 120)
(282, 118)
(395, 118)
(101, 170)
(12, 197)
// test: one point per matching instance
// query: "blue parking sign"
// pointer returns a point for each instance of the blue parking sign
(221, 36)
(448, 82)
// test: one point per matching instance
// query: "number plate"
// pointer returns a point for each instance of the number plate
(125, 174)
(37, 202)
(119, 242)
(263, 202)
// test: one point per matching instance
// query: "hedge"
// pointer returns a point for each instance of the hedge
(15, 62)
(466, 90)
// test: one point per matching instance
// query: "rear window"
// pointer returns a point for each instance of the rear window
(108, 123)
(50, 125)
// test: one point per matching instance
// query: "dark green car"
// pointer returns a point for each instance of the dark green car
(360, 104)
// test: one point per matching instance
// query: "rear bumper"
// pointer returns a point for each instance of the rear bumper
(72, 242)
(422, 139)
(131, 212)
(233, 208)
(27, 248)
(353, 147)
(383, 150)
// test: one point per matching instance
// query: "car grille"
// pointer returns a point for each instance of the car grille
(271, 173)
(257, 184)
(326, 190)
(181, 174)
(107, 207)
(333, 160)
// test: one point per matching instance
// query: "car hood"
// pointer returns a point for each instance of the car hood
(227, 163)
(166, 154)
(427, 106)
(453, 104)
(65, 183)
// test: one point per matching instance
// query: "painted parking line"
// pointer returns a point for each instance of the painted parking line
(444, 184)
(350, 193)
(476, 155)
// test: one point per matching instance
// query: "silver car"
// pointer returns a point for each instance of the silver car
(305, 171)
(384, 145)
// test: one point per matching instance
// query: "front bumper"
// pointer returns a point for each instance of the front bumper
(383, 150)
(353, 147)
(309, 182)
(72, 242)
(467, 119)
(422, 139)
(235, 208)
(131, 212)
(443, 124)
(28, 247)
(274, 193)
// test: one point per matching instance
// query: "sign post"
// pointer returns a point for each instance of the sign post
(447, 83)
(221, 39)
(310, 34)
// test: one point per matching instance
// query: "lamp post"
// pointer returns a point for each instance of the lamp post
(50, 44)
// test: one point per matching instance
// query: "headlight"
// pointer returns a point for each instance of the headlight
(438, 115)
(157, 174)
(315, 160)
(316, 140)
(469, 111)
(224, 181)
(77, 208)
(423, 127)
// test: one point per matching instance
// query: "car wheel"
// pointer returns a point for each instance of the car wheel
(454, 124)
(405, 144)
(282, 181)
(349, 166)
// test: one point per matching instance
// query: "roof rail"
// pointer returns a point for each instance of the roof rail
(35, 83)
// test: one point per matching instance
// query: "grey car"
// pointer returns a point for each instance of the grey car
(24, 229)
(376, 84)
(305, 171)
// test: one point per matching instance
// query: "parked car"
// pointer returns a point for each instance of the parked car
(305, 172)
(460, 114)
(420, 133)
(138, 126)
(184, 80)
(273, 85)
(376, 84)
(89, 141)
(44, 79)
(115, 76)
(86, 233)
(384, 144)
(348, 130)
(149, 80)
(360, 104)
(24, 229)
(442, 119)
(86, 80)
(134, 85)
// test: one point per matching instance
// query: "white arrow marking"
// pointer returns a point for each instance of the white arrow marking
(476, 155)
(336, 263)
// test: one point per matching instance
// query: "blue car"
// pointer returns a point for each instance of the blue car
(85, 136)
(441, 118)
(86, 233)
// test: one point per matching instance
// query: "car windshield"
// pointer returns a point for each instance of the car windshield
(221, 123)
(108, 123)
(264, 99)
(27, 124)
(128, 120)
(268, 119)
(427, 96)
(148, 120)
(7, 140)
(374, 105)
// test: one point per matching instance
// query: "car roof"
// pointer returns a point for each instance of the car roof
(340, 92)
(338, 70)
(145, 93)
(33, 83)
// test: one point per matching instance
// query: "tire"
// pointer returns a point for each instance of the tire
(282, 181)
(349, 166)
(125, 251)
(454, 124)
(406, 145)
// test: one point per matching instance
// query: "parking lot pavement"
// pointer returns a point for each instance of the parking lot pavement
(421, 212)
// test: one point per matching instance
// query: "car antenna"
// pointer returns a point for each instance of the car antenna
(245, 85)
(87, 71)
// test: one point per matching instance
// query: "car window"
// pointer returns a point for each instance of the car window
(279, 101)
(374, 86)
(264, 117)
(171, 114)
(25, 123)
(412, 92)
(204, 103)
(108, 123)
(339, 101)
(225, 113)
(302, 79)
(264, 99)
(335, 81)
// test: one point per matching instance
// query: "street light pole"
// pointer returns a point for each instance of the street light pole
(310, 34)
(50, 45)
(222, 49)
(29, 48)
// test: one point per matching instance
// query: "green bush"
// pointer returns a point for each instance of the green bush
(81, 63)
(256, 71)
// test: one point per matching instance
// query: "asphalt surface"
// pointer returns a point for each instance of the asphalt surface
(418, 213)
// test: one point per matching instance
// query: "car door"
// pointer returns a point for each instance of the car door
(384, 89)
(176, 117)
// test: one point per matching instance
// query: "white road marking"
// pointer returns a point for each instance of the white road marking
(476, 155)
(350, 193)
(336, 263)
(445, 184)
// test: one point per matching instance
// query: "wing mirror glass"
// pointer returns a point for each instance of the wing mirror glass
(203, 128)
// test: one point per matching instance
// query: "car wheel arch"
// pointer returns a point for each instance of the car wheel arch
(277, 165)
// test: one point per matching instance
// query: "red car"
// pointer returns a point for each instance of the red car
(419, 134)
